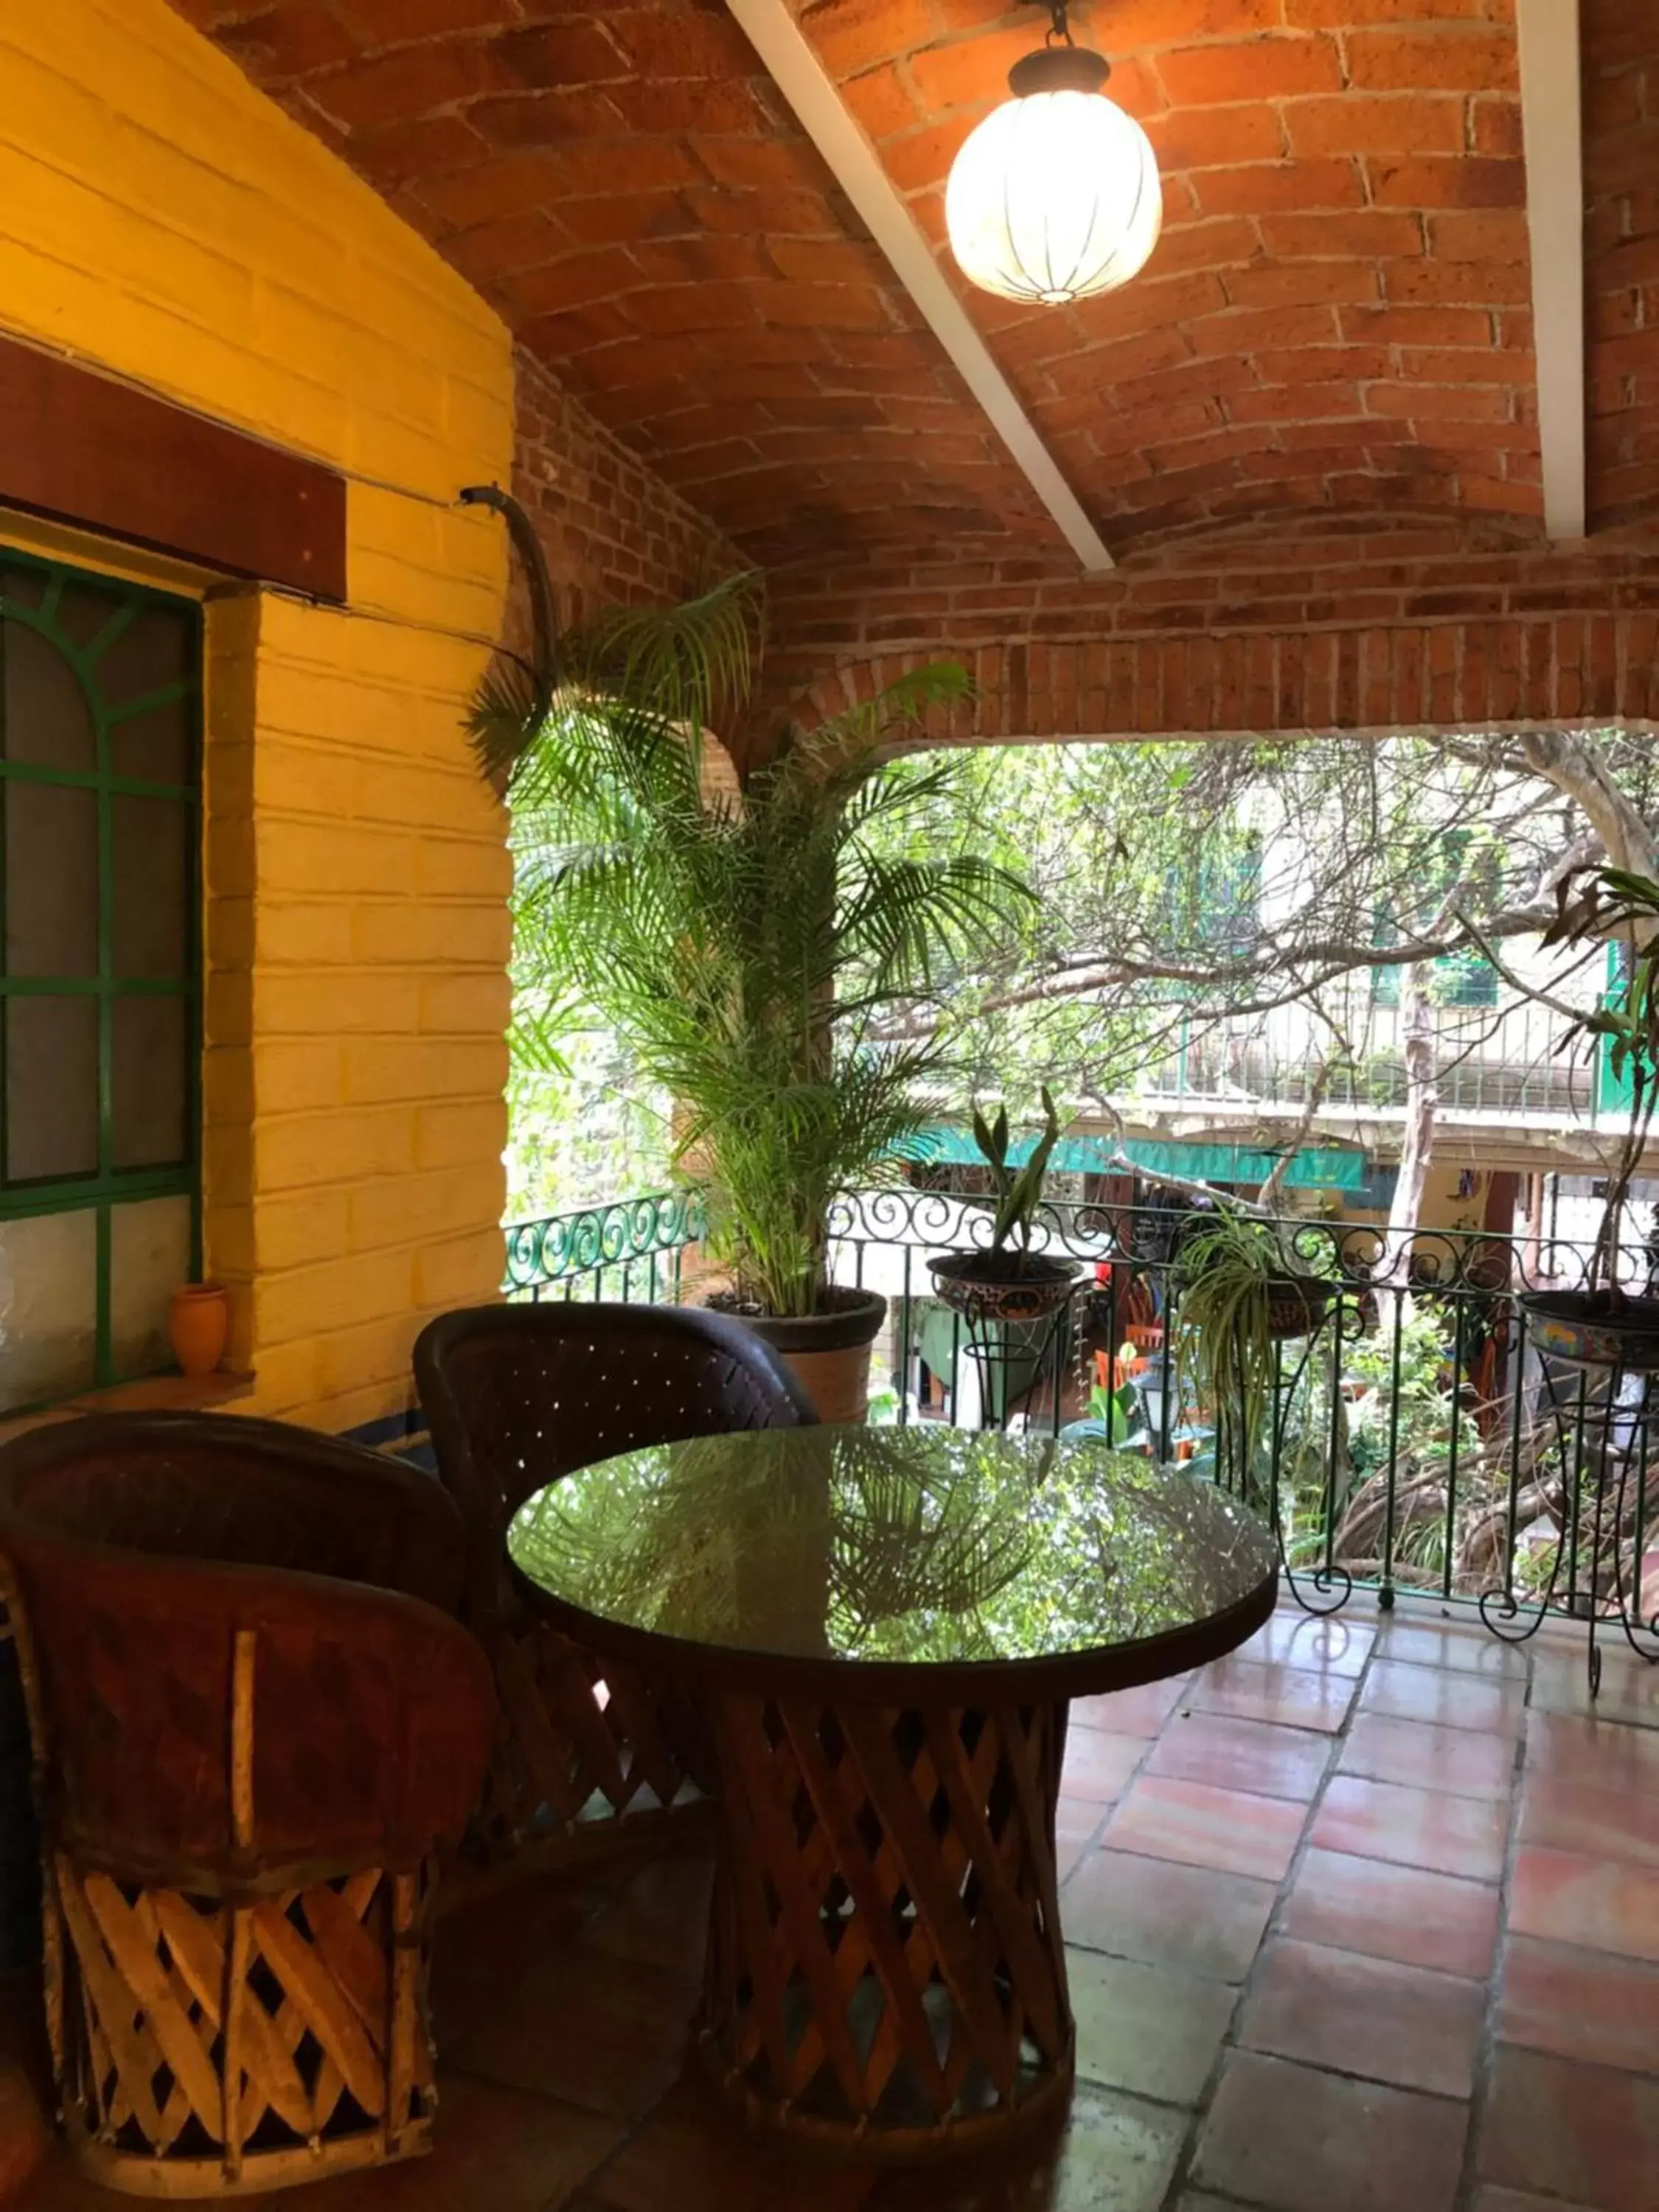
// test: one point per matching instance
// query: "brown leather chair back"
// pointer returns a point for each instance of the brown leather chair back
(166, 1565)
(518, 1395)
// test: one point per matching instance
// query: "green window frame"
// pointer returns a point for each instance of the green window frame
(82, 615)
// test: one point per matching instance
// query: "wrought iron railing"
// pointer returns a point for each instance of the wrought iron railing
(631, 1250)
(1417, 1438)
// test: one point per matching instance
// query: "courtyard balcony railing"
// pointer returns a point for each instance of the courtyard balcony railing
(1498, 1057)
(1418, 1440)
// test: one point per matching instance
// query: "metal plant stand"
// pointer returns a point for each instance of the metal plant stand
(1606, 1440)
(997, 1362)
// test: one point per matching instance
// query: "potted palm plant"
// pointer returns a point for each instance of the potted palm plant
(1604, 1324)
(750, 938)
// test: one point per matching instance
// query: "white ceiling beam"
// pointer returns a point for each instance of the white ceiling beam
(823, 115)
(1553, 131)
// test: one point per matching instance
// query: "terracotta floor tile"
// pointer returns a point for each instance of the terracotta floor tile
(1229, 1755)
(1629, 1693)
(1490, 1704)
(1589, 1754)
(1284, 2134)
(1294, 1639)
(1368, 2016)
(657, 1914)
(1412, 1827)
(58, 2186)
(1614, 1824)
(1466, 1647)
(607, 2033)
(1228, 1829)
(1586, 2133)
(1141, 1712)
(1512, 2200)
(1395, 1912)
(1099, 1764)
(1423, 1758)
(694, 2154)
(1249, 1689)
(487, 1934)
(1076, 1823)
(1145, 2029)
(1189, 1918)
(1579, 2004)
(1116, 2154)
(1566, 1898)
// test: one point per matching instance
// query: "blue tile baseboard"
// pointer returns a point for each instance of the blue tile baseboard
(401, 1436)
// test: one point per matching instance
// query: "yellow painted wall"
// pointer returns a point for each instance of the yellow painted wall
(162, 221)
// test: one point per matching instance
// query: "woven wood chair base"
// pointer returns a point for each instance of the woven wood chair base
(885, 1965)
(584, 1744)
(210, 2050)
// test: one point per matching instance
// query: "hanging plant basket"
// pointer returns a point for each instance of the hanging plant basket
(1594, 1329)
(1004, 1286)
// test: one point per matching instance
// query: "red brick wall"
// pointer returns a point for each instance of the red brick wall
(1334, 625)
(612, 530)
(1621, 243)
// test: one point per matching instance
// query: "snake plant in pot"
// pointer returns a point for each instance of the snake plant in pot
(1241, 1293)
(1604, 1324)
(1010, 1296)
(1006, 1280)
(773, 946)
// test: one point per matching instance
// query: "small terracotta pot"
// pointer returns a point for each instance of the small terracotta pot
(198, 1321)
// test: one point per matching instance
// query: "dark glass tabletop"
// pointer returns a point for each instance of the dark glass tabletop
(867, 1551)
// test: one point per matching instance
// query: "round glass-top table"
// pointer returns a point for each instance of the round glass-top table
(883, 1628)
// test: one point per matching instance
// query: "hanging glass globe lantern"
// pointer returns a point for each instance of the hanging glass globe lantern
(1055, 195)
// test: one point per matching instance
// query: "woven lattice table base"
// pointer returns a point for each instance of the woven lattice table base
(582, 1740)
(886, 1962)
(206, 2049)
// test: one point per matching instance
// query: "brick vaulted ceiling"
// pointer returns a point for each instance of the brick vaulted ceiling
(1337, 319)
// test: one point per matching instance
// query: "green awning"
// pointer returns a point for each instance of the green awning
(1194, 1162)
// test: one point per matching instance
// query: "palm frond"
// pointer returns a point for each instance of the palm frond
(743, 949)
(900, 706)
(689, 662)
(504, 717)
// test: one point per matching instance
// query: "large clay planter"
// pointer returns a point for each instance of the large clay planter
(829, 1352)
(198, 1321)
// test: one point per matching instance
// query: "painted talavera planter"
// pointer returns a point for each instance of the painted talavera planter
(1003, 1286)
(1587, 1328)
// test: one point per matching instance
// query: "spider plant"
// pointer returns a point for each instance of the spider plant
(1234, 1276)
(750, 945)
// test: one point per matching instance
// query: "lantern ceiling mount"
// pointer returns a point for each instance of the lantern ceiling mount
(1059, 64)
(1056, 195)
